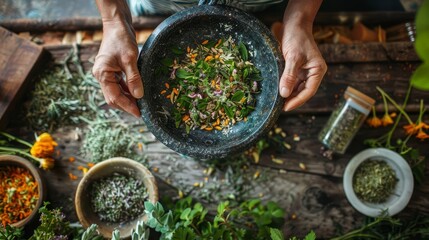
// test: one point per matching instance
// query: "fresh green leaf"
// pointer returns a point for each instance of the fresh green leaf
(182, 73)
(422, 45)
(168, 62)
(185, 214)
(422, 18)
(243, 51)
(237, 96)
(310, 236)
(420, 77)
(228, 111)
(184, 233)
(276, 234)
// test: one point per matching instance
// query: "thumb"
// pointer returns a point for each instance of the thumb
(289, 77)
(134, 81)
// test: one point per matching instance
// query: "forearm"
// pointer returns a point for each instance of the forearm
(114, 11)
(301, 12)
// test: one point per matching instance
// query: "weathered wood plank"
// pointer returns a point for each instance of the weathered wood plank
(18, 65)
(72, 24)
(369, 52)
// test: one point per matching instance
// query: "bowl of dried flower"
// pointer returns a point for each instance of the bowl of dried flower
(112, 195)
(378, 181)
(22, 191)
(211, 75)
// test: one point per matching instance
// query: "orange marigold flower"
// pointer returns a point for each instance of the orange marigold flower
(410, 129)
(47, 163)
(90, 165)
(422, 135)
(393, 114)
(422, 125)
(374, 122)
(44, 146)
(386, 120)
(72, 176)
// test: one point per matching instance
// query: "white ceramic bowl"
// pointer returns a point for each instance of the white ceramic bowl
(402, 192)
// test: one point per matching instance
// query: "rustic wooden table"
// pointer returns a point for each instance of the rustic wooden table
(313, 196)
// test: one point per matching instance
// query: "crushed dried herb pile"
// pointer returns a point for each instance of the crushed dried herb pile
(118, 198)
(18, 194)
(374, 181)
(212, 86)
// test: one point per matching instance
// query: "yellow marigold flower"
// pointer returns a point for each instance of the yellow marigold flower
(44, 146)
(422, 135)
(410, 129)
(374, 122)
(386, 120)
(47, 163)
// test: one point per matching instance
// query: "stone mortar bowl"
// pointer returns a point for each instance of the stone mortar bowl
(195, 25)
(124, 166)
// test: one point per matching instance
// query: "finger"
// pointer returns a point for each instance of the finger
(134, 81)
(115, 97)
(289, 76)
(304, 92)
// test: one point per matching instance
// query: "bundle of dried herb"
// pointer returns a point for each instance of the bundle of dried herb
(374, 181)
(107, 139)
(118, 198)
(212, 86)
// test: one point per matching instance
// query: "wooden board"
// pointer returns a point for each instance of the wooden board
(18, 59)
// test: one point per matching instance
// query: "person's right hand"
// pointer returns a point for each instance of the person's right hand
(117, 55)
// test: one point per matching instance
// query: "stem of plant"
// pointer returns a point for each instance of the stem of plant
(14, 150)
(10, 137)
(400, 109)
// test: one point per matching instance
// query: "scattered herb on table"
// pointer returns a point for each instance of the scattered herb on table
(107, 139)
(374, 181)
(18, 194)
(118, 198)
(213, 86)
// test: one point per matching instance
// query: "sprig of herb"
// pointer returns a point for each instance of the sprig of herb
(53, 225)
(213, 86)
(10, 233)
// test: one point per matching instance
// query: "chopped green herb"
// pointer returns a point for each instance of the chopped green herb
(211, 86)
(374, 181)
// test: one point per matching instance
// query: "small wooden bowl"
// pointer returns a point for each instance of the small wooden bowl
(16, 161)
(104, 169)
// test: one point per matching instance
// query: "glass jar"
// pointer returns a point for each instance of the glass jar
(345, 120)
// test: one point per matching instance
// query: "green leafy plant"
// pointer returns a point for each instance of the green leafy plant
(10, 233)
(420, 78)
(188, 220)
(52, 225)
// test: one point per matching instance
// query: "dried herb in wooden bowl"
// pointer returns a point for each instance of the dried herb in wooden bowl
(18, 193)
(211, 86)
(374, 181)
(118, 198)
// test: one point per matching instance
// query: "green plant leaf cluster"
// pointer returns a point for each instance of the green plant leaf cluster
(10, 233)
(188, 220)
(420, 77)
(52, 225)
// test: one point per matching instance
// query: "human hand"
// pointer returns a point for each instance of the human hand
(304, 66)
(117, 55)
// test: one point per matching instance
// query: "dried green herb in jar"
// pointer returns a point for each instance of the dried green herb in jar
(374, 181)
(345, 120)
(118, 198)
(211, 86)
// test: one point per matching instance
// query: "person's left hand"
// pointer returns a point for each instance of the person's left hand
(304, 66)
